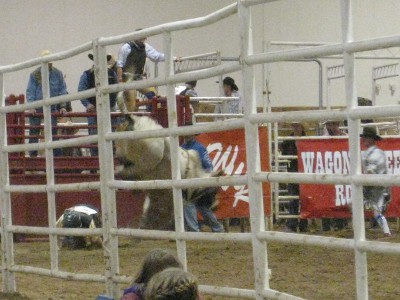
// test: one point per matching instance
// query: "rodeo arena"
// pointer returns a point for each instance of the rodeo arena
(154, 190)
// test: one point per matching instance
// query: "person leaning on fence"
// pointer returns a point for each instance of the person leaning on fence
(34, 92)
(173, 284)
(155, 261)
(332, 128)
(131, 61)
(376, 198)
(191, 92)
(231, 106)
(288, 147)
(86, 82)
(190, 208)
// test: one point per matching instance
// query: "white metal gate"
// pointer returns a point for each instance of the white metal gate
(259, 235)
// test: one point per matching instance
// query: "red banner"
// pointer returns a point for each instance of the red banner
(332, 157)
(228, 152)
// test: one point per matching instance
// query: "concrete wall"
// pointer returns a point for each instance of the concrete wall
(29, 26)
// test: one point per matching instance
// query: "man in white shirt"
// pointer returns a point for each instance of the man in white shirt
(132, 58)
(131, 61)
(374, 162)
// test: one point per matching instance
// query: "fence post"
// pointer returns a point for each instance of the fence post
(355, 154)
(267, 107)
(256, 197)
(48, 137)
(174, 146)
(106, 163)
(7, 241)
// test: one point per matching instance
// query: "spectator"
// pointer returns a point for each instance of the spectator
(364, 102)
(155, 261)
(231, 106)
(374, 162)
(190, 208)
(112, 63)
(80, 216)
(173, 284)
(34, 93)
(132, 60)
(361, 101)
(191, 92)
(68, 129)
(332, 128)
(86, 82)
(288, 147)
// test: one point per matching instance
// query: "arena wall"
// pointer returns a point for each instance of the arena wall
(29, 27)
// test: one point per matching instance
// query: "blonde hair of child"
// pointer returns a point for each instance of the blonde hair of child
(172, 283)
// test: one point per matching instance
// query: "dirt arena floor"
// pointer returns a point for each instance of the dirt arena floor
(308, 272)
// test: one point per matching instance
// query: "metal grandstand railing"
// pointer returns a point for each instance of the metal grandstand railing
(197, 62)
(259, 235)
(383, 72)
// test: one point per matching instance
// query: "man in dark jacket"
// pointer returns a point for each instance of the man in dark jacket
(86, 82)
(34, 93)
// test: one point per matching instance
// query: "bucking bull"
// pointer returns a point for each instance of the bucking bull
(150, 159)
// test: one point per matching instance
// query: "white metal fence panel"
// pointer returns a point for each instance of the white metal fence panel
(259, 235)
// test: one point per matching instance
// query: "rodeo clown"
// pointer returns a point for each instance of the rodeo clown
(80, 216)
(376, 198)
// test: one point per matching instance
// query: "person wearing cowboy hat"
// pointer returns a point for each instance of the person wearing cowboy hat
(232, 106)
(288, 147)
(86, 82)
(374, 162)
(58, 87)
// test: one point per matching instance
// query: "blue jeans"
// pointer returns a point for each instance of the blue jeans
(192, 223)
(35, 121)
(92, 121)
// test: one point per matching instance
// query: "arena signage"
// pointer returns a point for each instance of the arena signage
(228, 152)
(332, 157)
